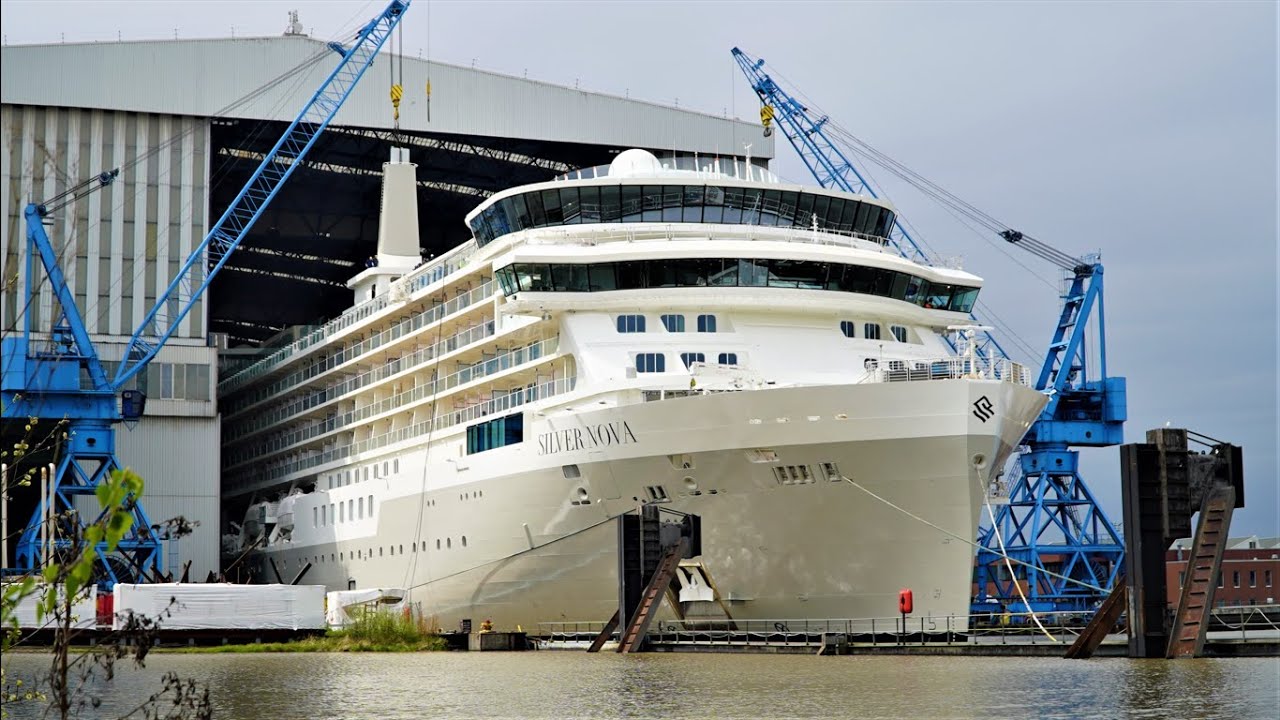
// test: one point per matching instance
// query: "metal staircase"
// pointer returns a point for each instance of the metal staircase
(1192, 619)
(634, 633)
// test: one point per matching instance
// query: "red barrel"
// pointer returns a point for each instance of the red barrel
(905, 605)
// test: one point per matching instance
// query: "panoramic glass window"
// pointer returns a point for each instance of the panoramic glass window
(733, 272)
(699, 203)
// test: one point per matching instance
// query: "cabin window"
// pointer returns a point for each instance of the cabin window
(848, 329)
(673, 323)
(630, 323)
(899, 332)
(370, 506)
(689, 358)
(871, 331)
(727, 359)
(651, 362)
(706, 323)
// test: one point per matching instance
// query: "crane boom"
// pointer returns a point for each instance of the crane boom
(225, 236)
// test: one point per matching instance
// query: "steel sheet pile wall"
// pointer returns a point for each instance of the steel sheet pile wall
(178, 606)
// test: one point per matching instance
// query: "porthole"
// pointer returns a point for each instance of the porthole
(448, 543)
(437, 543)
(464, 541)
(401, 549)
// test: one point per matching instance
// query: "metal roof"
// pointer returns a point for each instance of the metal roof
(204, 77)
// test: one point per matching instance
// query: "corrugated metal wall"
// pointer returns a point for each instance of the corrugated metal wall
(201, 77)
(181, 455)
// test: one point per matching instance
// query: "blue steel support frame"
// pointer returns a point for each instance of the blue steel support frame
(1052, 519)
(45, 384)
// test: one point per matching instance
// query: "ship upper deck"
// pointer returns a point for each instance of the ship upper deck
(638, 188)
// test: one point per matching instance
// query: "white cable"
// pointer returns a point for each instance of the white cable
(995, 530)
(946, 532)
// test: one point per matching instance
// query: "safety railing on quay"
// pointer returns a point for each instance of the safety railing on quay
(401, 329)
(489, 366)
(887, 630)
(273, 416)
(434, 271)
(254, 479)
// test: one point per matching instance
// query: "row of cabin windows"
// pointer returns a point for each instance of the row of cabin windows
(680, 204)
(689, 358)
(495, 433)
(391, 550)
(736, 272)
(871, 331)
(673, 323)
(657, 362)
(333, 513)
(380, 470)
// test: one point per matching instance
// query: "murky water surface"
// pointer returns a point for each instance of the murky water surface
(574, 684)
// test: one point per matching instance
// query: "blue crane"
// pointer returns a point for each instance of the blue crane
(1067, 551)
(56, 377)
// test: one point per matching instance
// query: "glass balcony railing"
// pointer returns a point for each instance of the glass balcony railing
(436, 270)
(401, 329)
(489, 366)
(254, 479)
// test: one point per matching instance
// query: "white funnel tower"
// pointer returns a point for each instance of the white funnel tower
(398, 250)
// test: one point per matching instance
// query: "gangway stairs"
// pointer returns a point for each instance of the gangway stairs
(634, 633)
(1191, 621)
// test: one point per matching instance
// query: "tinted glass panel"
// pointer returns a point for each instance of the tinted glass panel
(631, 202)
(963, 299)
(589, 204)
(521, 211)
(732, 205)
(804, 210)
(820, 205)
(537, 215)
(631, 275)
(722, 272)
(693, 201)
(751, 198)
(713, 210)
(652, 203)
(865, 222)
(851, 210)
(753, 273)
(610, 203)
(671, 199)
(602, 277)
(570, 207)
(551, 204)
(769, 207)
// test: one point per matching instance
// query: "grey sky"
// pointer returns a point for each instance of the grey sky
(1144, 130)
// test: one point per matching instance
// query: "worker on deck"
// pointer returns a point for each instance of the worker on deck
(486, 626)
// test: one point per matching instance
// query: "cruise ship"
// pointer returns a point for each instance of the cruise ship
(686, 331)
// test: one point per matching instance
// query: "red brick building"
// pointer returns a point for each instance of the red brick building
(1250, 571)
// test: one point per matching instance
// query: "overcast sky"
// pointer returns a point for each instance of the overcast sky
(1146, 131)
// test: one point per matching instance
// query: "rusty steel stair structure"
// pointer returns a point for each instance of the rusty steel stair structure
(1191, 622)
(1104, 620)
(633, 634)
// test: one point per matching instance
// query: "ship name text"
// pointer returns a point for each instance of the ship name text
(586, 438)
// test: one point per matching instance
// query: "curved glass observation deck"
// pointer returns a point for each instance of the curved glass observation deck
(735, 272)
(625, 194)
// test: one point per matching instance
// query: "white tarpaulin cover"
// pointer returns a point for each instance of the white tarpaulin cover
(84, 612)
(339, 604)
(223, 606)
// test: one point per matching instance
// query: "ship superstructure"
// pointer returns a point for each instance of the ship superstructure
(678, 331)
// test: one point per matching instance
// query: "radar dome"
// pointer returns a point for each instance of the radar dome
(634, 163)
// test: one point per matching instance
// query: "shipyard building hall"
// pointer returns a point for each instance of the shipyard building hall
(188, 121)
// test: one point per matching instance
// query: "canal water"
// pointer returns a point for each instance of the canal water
(574, 684)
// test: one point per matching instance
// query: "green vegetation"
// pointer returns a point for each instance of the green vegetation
(375, 632)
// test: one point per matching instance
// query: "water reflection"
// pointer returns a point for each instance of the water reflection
(565, 684)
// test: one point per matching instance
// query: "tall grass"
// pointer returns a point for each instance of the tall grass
(371, 632)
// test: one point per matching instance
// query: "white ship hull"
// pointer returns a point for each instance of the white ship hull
(507, 535)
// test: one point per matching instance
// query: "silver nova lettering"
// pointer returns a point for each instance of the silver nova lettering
(586, 438)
